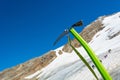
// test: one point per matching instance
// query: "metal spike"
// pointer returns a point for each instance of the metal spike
(66, 31)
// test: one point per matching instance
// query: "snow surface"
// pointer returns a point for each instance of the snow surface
(68, 66)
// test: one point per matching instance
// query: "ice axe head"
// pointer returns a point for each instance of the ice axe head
(66, 31)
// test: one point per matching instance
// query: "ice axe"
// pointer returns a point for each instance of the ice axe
(105, 75)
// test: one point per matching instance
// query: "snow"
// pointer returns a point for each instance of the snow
(33, 75)
(68, 66)
(102, 42)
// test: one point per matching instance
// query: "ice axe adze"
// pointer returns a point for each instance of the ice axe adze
(105, 75)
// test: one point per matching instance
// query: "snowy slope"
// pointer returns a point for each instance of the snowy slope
(69, 67)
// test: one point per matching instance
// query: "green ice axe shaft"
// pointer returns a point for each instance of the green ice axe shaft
(82, 58)
(105, 75)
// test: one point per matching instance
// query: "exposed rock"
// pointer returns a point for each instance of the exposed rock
(67, 48)
(20, 71)
(60, 52)
(114, 35)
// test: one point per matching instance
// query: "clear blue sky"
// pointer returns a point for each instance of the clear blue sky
(28, 28)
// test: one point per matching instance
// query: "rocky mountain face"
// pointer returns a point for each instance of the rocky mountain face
(22, 70)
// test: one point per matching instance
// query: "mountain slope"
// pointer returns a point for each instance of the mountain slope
(106, 45)
(63, 64)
